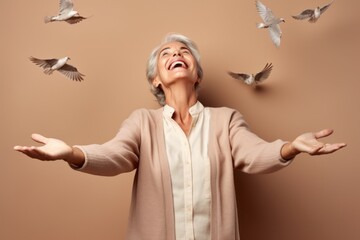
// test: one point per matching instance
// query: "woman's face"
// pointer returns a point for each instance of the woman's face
(175, 63)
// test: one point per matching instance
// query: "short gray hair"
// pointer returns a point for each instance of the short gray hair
(152, 62)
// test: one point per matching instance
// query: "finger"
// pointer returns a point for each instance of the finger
(33, 152)
(323, 133)
(330, 148)
(26, 150)
(316, 149)
(39, 138)
(17, 148)
(21, 148)
(37, 154)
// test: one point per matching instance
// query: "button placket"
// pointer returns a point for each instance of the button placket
(188, 196)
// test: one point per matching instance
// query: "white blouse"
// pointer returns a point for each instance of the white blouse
(190, 173)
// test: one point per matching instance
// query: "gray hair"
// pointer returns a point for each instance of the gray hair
(152, 63)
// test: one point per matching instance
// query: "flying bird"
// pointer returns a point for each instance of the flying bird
(312, 14)
(270, 21)
(66, 13)
(50, 65)
(253, 79)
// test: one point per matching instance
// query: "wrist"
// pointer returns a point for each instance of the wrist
(68, 157)
(75, 157)
(293, 149)
(289, 151)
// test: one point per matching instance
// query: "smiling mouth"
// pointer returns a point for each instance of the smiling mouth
(177, 64)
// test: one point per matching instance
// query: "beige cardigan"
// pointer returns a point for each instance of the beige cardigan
(140, 145)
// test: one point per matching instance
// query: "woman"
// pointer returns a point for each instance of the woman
(184, 153)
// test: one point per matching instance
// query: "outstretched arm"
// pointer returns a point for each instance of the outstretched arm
(52, 149)
(309, 143)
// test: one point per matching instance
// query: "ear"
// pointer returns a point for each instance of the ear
(198, 81)
(156, 82)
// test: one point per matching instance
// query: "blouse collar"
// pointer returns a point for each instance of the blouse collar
(193, 110)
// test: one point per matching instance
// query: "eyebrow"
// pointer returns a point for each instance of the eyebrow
(181, 48)
(163, 50)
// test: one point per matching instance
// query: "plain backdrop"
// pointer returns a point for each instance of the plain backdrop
(314, 85)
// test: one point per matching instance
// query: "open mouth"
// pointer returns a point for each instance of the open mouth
(177, 64)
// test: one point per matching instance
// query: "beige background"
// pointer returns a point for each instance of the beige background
(314, 85)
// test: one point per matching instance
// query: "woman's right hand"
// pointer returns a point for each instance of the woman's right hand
(52, 149)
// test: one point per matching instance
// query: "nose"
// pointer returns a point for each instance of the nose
(176, 53)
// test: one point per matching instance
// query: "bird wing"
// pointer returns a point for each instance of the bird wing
(275, 34)
(75, 19)
(71, 72)
(265, 13)
(66, 6)
(264, 74)
(44, 63)
(324, 8)
(304, 14)
(239, 76)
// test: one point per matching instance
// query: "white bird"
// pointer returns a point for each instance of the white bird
(253, 79)
(312, 14)
(51, 65)
(270, 22)
(66, 13)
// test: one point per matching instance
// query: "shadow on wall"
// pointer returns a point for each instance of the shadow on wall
(212, 94)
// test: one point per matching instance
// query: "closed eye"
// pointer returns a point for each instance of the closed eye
(164, 53)
(185, 50)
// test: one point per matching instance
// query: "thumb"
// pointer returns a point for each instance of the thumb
(323, 133)
(39, 138)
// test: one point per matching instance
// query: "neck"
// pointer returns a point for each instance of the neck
(181, 98)
(180, 95)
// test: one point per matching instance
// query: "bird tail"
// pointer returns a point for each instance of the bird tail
(260, 25)
(48, 19)
(48, 71)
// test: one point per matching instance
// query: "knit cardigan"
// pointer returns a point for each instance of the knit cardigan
(139, 145)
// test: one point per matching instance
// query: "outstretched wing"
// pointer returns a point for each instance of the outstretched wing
(239, 76)
(264, 74)
(275, 34)
(324, 8)
(265, 13)
(75, 19)
(304, 14)
(66, 6)
(71, 72)
(44, 63)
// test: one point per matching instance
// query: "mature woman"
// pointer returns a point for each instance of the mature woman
(184, 153)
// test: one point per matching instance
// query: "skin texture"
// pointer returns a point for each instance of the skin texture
(178, 83)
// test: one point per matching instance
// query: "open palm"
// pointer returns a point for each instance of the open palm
(52, 149)
(308, 142)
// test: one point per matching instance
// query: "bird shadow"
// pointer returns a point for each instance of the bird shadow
(217, 96)
(261, 89)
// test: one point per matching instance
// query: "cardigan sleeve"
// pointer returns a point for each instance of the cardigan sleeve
(250, 153)
(118, 155)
